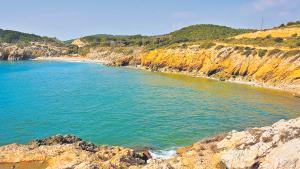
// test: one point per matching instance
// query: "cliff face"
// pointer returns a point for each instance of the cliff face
(267, 67)
(272, 147)
(116, 56)
(19, 51)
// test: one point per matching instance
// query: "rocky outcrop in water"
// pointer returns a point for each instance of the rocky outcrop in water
(25, 51)
(272, 147)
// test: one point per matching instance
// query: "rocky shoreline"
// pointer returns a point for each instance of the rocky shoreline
(271, 147)
(25, 51)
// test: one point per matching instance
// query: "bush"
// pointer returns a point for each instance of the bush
(294, 35)
(291, 53)
(222, 79)
(247, 53)
(262, 53)
(83, 51)
(72, 49)
(274, 51)
(282, 25)
(278, 40)
(293, 23)
(219, 47)
(184, 45)
(207, 45)
(269, 36)
(239, 49)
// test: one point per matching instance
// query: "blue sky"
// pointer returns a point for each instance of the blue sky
(66, 19)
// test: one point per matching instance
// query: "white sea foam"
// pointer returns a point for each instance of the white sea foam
(163, 154)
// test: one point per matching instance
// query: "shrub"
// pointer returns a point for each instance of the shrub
(291, 53)
(247, 53)
(278, 40)
(294, 35)
(262, 53)
(83, 51)
(207, 45)
(274, 51)
(184, 45)
(219, 47)
(269, 36)
(247, 48)
(222, 79)
(72, 49)
(239, 49)
(293, 23)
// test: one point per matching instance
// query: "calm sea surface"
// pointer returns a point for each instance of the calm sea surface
(120, 106)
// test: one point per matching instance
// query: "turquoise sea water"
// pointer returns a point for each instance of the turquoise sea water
(121, 106)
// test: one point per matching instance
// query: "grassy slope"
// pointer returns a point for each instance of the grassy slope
(285, 37)
(283, 32)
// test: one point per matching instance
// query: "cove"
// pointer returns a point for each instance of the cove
(126, 107)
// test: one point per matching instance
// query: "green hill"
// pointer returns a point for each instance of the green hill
(9, 36)
(206, 32)
(187, 34)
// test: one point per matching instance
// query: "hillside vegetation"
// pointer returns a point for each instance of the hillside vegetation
(188, 34)
(16, 45)
(9, 36)
(206, 32)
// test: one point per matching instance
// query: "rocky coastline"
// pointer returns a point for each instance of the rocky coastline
(271, 147)
(26, 51)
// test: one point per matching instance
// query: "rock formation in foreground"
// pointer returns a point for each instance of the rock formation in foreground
(272, 147)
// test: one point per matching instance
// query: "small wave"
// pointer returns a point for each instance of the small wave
(163, 154)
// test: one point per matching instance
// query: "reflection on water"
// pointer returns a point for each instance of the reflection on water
(232, 91)
(120, 106)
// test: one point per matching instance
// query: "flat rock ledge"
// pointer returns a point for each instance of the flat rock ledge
(271, 147)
